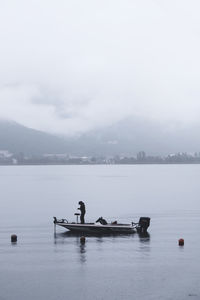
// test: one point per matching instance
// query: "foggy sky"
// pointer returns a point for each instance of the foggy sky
(71, 66)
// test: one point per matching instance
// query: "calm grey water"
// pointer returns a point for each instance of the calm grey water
(44, 266)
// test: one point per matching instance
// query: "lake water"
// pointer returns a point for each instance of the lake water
(46, 266)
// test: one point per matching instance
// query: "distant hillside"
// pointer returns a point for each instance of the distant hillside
(130, 136)
(122, 138)
(17, 138)
(126, 137)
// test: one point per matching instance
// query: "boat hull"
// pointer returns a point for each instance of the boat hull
(93, 228)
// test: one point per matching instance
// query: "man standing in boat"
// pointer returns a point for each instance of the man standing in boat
(82, 209)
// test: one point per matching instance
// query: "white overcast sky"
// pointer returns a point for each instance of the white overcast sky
(68, 66)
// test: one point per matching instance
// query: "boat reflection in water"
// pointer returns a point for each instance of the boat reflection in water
(101, 249)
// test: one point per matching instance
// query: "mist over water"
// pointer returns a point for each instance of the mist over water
(44, 191)
(44, 266)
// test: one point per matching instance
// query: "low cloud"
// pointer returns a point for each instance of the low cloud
(73, 67)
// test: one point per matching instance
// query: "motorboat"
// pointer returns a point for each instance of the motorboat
(102, 227)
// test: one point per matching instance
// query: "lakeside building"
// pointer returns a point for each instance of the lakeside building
(7, 158)
(5, 154)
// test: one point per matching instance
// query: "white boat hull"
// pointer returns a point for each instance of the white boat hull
(95, 228)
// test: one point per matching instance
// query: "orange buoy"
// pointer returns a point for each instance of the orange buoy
(181, 242)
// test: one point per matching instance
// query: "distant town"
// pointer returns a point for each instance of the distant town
(7, 158)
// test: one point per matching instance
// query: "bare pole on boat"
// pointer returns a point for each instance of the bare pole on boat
(55, 221)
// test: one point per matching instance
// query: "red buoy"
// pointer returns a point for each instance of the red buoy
(181, 242)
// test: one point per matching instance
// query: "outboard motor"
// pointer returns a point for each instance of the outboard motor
(143, 224)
